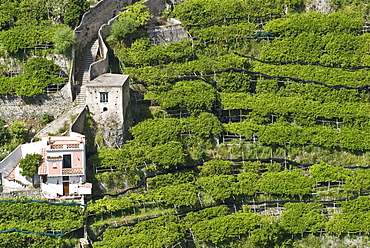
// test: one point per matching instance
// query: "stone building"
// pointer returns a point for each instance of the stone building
(108, 97)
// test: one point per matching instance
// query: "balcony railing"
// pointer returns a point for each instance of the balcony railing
(65, 147)
(72, 171)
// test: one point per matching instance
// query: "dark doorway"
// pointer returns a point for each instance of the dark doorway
(44, 179)
(65, 188)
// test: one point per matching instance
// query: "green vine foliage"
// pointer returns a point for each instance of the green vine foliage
(38, 217)
(302, 217)
(301, 121)
(38, 74)
(353, 218)
(159, 232)
(29, 23)
(186, 94)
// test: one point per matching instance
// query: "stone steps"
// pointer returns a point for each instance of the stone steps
(84, 76)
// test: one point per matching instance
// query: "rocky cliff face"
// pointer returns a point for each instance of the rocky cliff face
(163, 35)
(322, 6)
(31, 110)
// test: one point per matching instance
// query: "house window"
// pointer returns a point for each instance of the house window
(67, 161)
(1, 179)
(54, 165)
(103, 96)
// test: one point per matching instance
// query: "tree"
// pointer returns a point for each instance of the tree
(30, 164)
(75, 9)
(122, 27)
(138, 12)
(47, 118)
(18, 130)
(4, 133)
(63, 39)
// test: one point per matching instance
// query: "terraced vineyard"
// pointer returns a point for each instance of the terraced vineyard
(257, 135)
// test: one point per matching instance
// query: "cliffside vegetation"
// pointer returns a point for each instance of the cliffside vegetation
(257, 135)
(29, 29)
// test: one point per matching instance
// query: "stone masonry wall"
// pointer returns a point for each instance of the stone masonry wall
(163, 35)
(156, 6)
(98, 15)
(31, 110)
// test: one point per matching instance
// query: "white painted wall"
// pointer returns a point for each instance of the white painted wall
(8, 163)
(54, 186)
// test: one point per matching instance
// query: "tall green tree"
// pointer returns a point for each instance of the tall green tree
(30, 164)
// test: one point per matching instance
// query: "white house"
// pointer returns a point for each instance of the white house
(62, 171)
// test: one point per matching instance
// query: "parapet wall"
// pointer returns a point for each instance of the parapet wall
(98, 15)
(8, 163)
(90, 24)
(100, 67)
(78, 124)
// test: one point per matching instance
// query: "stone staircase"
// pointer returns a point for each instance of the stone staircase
(84, 76)
(80, 89)
(11, 178)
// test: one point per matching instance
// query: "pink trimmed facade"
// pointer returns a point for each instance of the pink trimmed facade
(62, 172)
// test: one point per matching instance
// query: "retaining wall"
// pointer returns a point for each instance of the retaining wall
(78, 125)
(163, 35)
(31, 110)
(8, 163)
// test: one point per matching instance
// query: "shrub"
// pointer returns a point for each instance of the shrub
(29, 164)
(47, 118)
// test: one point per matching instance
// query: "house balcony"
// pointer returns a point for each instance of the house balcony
(72, 171)
(64, 147)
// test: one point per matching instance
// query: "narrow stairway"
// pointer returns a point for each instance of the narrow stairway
(11, 177)
(84, 76)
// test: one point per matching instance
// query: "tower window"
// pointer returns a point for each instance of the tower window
(103, 96)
